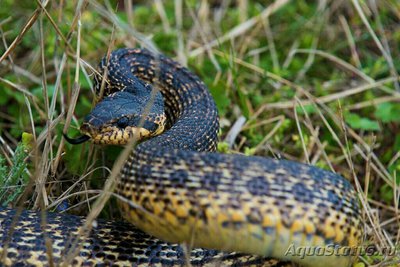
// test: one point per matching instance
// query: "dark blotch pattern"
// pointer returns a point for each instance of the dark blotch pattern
(108, 243)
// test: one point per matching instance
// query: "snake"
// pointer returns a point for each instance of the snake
(183, 202)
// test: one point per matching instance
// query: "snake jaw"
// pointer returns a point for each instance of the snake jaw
(112, 135)
(115, 136)
(124, 128)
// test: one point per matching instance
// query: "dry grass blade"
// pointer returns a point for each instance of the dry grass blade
(163, 15)
(179, 23)
(336, 60)
(55, 25)
(24, 30)
(29, 75)
(374, 102)
(378, 43)
(351, 42)
(336, 96)
(199, 28)
(18, 87)
(108, 15)
(307, 157)
(271, 43)
(68, 193)
(241, 28)
(269, 135)
(234, 131)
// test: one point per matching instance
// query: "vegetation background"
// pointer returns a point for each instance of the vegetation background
(311, 81)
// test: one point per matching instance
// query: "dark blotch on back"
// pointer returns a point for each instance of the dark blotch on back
(258, 186)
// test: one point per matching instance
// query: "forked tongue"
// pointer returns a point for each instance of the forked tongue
(78, 140)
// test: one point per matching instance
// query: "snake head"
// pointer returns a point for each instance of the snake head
(124, 115)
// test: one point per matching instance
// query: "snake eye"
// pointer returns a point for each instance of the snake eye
(123, 122)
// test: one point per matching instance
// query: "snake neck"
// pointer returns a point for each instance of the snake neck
(192, 115)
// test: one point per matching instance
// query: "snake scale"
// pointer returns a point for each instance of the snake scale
(175, 187)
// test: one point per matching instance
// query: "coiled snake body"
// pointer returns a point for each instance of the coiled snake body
(176, 188)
